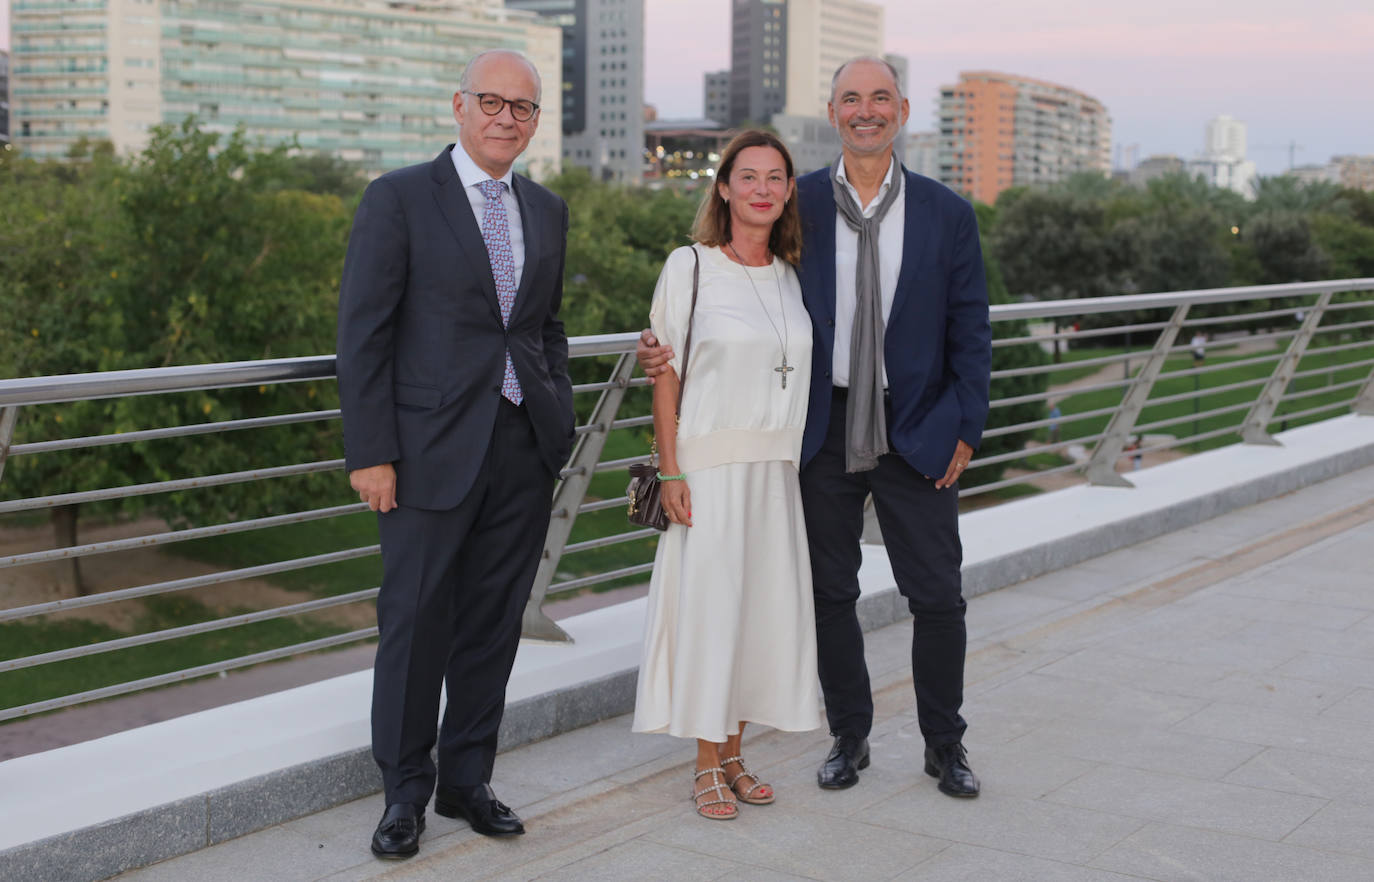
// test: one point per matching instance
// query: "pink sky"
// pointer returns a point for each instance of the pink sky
(1293, 72)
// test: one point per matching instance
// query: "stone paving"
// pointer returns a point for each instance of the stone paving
(1195, 707)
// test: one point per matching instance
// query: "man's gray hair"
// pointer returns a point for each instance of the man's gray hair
(466, 83)
(896, 77)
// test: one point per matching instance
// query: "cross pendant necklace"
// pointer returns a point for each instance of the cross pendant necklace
(783, 368)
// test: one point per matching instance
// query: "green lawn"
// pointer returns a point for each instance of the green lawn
(1332, 362)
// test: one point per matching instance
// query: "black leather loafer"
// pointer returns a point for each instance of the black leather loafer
(478, 806)
(949, 763)
(398, 833)
(841, 767)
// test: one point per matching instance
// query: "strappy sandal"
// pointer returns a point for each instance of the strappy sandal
(748, 795)
(717, 788)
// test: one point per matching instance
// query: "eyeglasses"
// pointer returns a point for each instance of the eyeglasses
(492, 103)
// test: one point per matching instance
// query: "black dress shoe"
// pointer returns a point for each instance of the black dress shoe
(398, 833)
(949, 763)
(841, 767)
(478, 806)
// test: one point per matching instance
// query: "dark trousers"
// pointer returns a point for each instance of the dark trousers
(454, 587)
(921, 532)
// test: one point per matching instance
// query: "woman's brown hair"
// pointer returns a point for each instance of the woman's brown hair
(712, 224)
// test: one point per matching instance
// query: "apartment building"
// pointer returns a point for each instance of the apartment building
(1002, 130)
(368, 81)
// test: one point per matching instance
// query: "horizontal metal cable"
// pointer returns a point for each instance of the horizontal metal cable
(299, 563)
(168, 486)
(1337, 306)
(1192, 417)
(19, 560)
(186, 630)
(1217, 368)
(632, 536)
(603, 385)
(1027, 452)
(1069, 365)
(151, 381)
(631, 422)
(597, 579)
(1323, 390)
(1343, 347)
(1334, 368)
(1082, 334)
(1343, 326)
(618, 465)
(1173, 299)
(1297, 415)
(1019, 479)
(603, 504)
(1204, 392)
(1233, 342)
(39, 707)
(1059, 393)
(1049, 421)
(1203, 321)
(171, 432)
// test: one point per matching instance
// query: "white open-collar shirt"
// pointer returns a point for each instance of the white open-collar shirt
(471, 178)
(891, 232)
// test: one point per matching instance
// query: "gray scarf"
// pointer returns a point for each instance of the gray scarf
(865, 422)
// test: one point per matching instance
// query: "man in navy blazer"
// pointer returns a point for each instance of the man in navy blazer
(926, 284)
(457, 413)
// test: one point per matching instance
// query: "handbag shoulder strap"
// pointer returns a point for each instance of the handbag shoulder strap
(687, 350)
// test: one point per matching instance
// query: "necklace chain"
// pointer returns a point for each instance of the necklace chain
(783, 369)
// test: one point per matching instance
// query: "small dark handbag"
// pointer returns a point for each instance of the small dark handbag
(645, 491)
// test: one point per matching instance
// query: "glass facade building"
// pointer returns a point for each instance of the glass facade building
(366, 81)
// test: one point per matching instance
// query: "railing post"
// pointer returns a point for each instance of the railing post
(1255, 428)
(536, 624)
(1102, 465)
(1364, 402)
(8, 417)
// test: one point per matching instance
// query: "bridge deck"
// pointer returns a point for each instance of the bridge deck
(1196, 706)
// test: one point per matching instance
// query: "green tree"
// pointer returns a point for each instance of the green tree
(1053, 245)
(196, 252)
(1006, 358)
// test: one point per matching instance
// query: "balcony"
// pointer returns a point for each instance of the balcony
(1083, 600)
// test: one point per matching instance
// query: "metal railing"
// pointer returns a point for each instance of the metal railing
(1279, 354)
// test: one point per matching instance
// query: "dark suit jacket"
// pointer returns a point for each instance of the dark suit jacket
(421, 348)
(937, 346)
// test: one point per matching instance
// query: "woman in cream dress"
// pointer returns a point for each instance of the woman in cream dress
(730, 635)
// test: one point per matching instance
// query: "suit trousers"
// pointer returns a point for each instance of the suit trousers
(454, 588)
(920, 528)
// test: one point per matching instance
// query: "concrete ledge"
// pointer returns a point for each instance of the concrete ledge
(92, 810)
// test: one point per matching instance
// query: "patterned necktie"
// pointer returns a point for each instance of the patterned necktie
(496, 233)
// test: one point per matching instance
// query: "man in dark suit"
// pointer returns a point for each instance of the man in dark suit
(457, 411)
(892, 276)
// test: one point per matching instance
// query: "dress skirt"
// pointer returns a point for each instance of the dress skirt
(730, 632)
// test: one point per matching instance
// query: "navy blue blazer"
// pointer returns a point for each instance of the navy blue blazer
(938, 343)
(421, 347)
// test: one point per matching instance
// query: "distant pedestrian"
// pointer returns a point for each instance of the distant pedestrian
(1199, 344)
(1055, 416)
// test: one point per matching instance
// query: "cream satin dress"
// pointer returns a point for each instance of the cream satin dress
(730, 634)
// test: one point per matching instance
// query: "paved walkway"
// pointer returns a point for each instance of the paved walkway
(1196, 707)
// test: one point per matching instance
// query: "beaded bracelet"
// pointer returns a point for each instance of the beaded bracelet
(681, 477)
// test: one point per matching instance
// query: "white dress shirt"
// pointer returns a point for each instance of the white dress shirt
(891, 232)
(472, 177)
